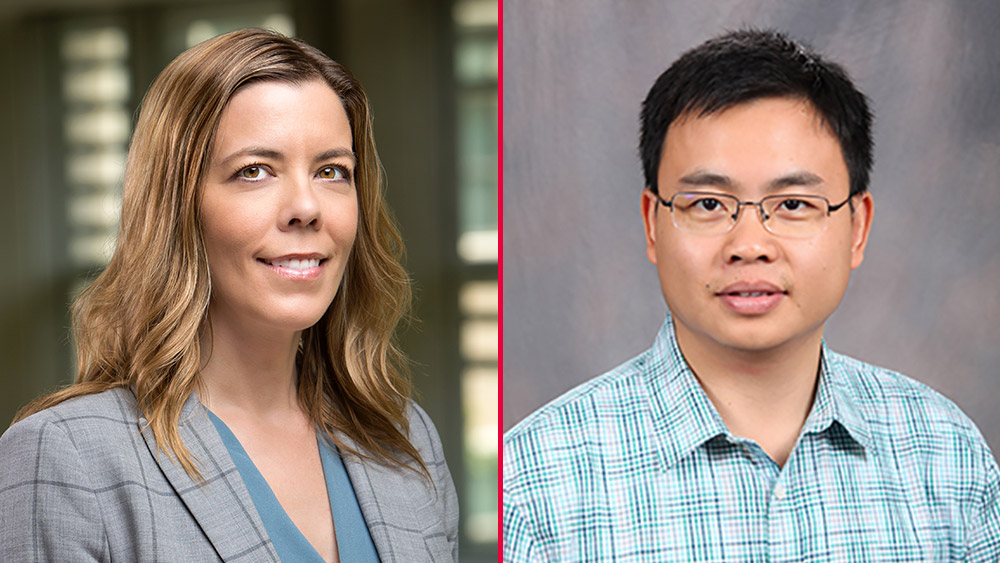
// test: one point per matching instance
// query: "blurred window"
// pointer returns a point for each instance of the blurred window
(96, 90)
(476, 69)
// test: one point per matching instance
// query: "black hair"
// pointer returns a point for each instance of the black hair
(740, 66)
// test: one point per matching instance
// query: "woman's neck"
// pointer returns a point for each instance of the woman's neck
(249, 371)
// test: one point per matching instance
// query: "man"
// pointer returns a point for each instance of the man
(739, 436)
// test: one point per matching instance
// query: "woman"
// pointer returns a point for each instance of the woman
(239, 395)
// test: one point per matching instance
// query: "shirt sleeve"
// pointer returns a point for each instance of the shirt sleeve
(50, 510)
(518, 538)
(984, 539)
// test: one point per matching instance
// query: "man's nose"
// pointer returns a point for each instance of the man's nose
(749, 240)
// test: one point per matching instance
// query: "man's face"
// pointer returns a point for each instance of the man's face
(749, 290)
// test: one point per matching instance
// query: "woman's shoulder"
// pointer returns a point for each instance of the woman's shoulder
(51, 468)
(423, 434)
(79, 420)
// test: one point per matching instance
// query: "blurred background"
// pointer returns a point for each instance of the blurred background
(73, 74)
(580, 296)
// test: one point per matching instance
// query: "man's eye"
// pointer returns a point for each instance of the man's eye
(794, 205)
(708, 204)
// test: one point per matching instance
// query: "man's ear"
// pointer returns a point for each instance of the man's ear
(649, 205)
(861, 224)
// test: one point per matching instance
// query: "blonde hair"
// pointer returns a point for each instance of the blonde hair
(137, 325)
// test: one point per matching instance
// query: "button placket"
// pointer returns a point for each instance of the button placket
(779, 492)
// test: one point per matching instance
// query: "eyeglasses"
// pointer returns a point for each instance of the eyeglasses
(787, 215)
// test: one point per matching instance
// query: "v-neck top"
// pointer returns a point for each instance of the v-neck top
(354, 542)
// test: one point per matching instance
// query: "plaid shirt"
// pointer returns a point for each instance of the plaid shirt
(637, 465)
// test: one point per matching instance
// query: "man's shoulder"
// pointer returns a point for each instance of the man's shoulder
(580, 417)
(897, 406)
(925, 438)
(588, 398)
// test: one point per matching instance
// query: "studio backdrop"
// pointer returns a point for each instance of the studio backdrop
(580, 296)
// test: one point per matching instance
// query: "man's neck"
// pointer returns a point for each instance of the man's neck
(766, 395)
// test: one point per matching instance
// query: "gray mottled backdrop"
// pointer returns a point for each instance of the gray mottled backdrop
(579, 295)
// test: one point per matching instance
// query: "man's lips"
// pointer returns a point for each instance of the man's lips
(750, 288)
(751, 298)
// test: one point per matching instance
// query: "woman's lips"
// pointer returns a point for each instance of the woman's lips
(298, 271)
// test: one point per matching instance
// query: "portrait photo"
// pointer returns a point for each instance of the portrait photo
(252, 303)
(750, 251)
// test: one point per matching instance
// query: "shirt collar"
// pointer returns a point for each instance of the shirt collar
(836, 402)
(684, 418)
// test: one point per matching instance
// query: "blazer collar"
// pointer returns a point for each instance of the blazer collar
(220, 504)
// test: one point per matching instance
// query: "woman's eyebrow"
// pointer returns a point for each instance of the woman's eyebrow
(278, 155)
(253, 151)
(337, 153)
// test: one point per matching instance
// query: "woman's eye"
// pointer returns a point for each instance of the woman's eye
(252, 173)
(332, 173)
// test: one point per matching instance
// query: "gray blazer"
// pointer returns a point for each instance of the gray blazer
(82, 481)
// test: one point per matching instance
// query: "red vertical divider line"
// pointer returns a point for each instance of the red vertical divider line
(500, 271)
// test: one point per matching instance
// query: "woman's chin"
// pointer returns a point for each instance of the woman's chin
(272, 321)
(298, 323)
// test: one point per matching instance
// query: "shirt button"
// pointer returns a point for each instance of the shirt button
(779, 492)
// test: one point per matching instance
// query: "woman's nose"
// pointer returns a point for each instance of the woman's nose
(300, 207)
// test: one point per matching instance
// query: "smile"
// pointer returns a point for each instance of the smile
(293, 264)
(296, 267)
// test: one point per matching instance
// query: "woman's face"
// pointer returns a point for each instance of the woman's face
(279, 209)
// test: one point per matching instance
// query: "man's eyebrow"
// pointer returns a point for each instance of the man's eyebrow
(278, 155)
(703, 178)
(800, 178)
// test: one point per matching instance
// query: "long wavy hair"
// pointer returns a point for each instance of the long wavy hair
(137, 325)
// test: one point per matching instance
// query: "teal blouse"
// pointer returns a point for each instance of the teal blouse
(354, 542)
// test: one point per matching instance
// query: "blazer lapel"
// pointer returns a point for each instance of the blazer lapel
(386, 499)
(221, 504)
